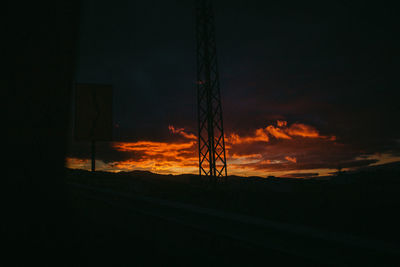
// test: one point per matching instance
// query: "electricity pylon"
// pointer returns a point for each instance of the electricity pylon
(212, 156)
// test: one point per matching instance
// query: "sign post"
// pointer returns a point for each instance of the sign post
(93, 115)
(93, 155)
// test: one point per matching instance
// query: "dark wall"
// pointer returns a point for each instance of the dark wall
(40, 61)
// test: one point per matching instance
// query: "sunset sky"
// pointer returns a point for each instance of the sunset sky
(306, 88)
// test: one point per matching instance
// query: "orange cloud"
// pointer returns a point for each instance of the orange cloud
(150, 147)
(76, 163)
(162, 166)
(182, 132)
(160, 157)
(280, 131)
(260, 135)
(277, 132)
(291, 159)
(158, 150)
(281, 123)
(299, 129)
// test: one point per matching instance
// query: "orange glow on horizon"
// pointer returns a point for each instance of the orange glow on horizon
(278, 150)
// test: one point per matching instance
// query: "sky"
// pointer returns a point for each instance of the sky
(307, 88)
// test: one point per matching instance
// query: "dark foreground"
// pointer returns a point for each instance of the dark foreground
(120, 232)
(139, 218)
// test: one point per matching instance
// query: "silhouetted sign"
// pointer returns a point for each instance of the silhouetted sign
(93, 112)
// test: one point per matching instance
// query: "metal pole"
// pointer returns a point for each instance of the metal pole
(93, 155)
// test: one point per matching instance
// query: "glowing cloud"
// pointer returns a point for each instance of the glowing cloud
(159, 157)
(182, 132)
(291, 159)
(280, 131)
(277, 132)
(281, 123)
(76, 162)
(299, 129)
(260, 135)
